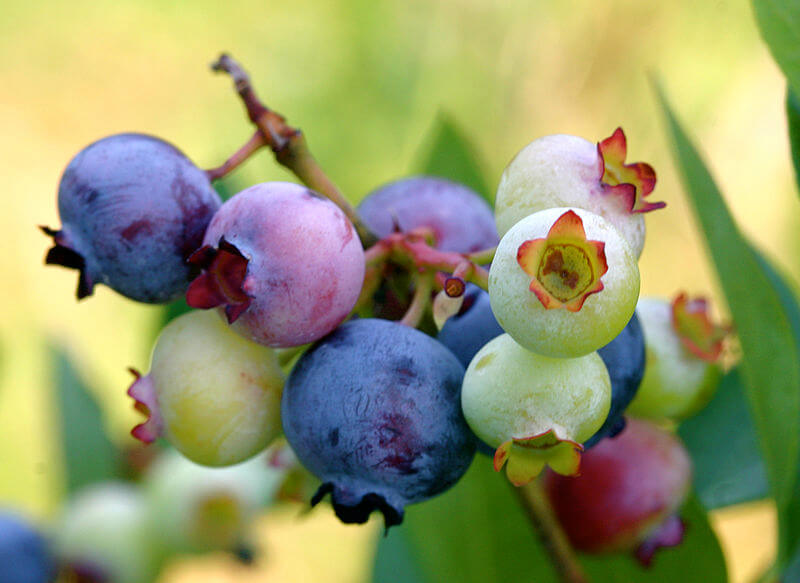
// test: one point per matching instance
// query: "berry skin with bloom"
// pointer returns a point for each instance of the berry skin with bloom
(568, 171)
(627, 493)
(683, 348)
(373, 410)
(133, 209)
(214, 395)
(460, 219)
(534, 409)
(563, 282)
(284, 264)
(24, 553)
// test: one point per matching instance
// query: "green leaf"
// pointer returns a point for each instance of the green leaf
(450, 154)
(734, 473)
(698, 558)
(779, 22)
(89, 456)
(474, 533)
(761, 321)
(793, 119)
(789, 301)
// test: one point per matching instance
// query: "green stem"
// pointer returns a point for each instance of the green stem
(423, 285)
(483, 257)
(540, 513)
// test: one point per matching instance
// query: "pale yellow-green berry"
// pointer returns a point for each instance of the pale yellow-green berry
(106, 528)
(194, 508)
(218, 394)
(676, 383)
(512, 394)
(559, 331)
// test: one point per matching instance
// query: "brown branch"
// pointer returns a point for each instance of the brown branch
(541, 516)
(289, 145)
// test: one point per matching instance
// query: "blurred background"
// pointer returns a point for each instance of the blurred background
(365, 80)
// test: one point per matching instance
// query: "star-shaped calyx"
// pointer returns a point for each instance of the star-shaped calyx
(527, 456)
(631, 183)
(222, 280)
(565, 267)
(697, 332)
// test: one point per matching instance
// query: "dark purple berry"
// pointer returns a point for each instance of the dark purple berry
(374, 411)
(24, 556)
(624, 358)
(461, 220)
(133, 208)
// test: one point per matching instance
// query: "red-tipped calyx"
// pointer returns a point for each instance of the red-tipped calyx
(143, 392)
(697, 332)
(669, 533)
(525, 457)
(565, 267)
(221, 283)
(63, 254)
(630, 183)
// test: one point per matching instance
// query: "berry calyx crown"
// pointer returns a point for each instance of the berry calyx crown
(697, 332)
(222, 280)
(631, 183)
(527, 456)
(565, 267)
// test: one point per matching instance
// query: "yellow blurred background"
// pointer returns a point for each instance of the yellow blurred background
(364, 79)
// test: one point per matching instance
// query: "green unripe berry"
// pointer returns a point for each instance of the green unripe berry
(563, 282)
(105, 530)
(536, 410)
(214, 394)
(195, 508)
(676, 383)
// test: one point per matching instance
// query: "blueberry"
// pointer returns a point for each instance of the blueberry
(624, 358)
(373, 410)
(133, 208)
(459, 217)
(24, 556)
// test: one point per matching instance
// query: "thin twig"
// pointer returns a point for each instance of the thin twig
(289, 145)
(255, 143)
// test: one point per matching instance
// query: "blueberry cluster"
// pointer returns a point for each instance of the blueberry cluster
(387, 362)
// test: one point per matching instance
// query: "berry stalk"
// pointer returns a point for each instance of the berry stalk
(535, 504)
(288, 144)
(255, 143)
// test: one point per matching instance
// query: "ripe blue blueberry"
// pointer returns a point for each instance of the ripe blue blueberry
(373, 410)
(624, 358)
(24, 556)
(133, 208)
